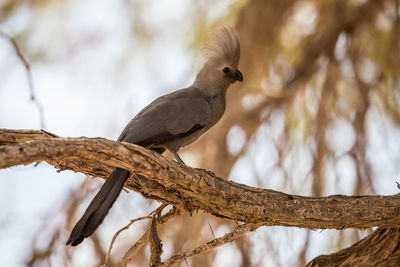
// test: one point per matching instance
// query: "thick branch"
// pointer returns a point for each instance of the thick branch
(190, 189)
(17, 136)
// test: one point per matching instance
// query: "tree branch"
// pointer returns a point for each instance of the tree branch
(191, 189)
(155, 245)
(129, 255)
(126, 227)
(217, 242)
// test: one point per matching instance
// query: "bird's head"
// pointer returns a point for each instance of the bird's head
(222, 56)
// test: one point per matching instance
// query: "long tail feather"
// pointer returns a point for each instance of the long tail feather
(99, 207)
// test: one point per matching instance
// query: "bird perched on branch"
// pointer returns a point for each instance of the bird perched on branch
(172, 121)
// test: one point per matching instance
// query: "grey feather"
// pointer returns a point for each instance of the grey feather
(99, 207)
(173, 114)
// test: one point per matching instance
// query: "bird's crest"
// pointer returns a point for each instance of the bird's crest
(224, 47)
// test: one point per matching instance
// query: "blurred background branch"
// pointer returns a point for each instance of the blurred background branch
(29, 75)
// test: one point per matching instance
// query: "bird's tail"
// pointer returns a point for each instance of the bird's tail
(99, 206)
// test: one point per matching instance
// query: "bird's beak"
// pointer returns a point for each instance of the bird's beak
(238, 76)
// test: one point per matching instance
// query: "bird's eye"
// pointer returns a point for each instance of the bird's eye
(226, 70)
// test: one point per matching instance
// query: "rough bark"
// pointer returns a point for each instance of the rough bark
(192, 189)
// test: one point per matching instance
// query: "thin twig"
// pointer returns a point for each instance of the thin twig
(212, 232)
(145, 237)
(121, 230)
(158, 210)
(30, 79)
(227, 238)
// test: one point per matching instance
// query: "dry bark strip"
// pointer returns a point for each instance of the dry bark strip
(189, 189)
(155, 245)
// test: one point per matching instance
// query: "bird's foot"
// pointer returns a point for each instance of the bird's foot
(207, 171)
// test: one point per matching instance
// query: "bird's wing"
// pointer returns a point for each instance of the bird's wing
(169, 117)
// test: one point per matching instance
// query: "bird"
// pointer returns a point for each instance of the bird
(172, 121)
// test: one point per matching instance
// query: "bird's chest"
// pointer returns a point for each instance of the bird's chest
(217, 104)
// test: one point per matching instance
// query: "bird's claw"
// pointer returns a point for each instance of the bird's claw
(207, 171)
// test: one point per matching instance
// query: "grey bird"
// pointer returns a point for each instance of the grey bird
(172, 121)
